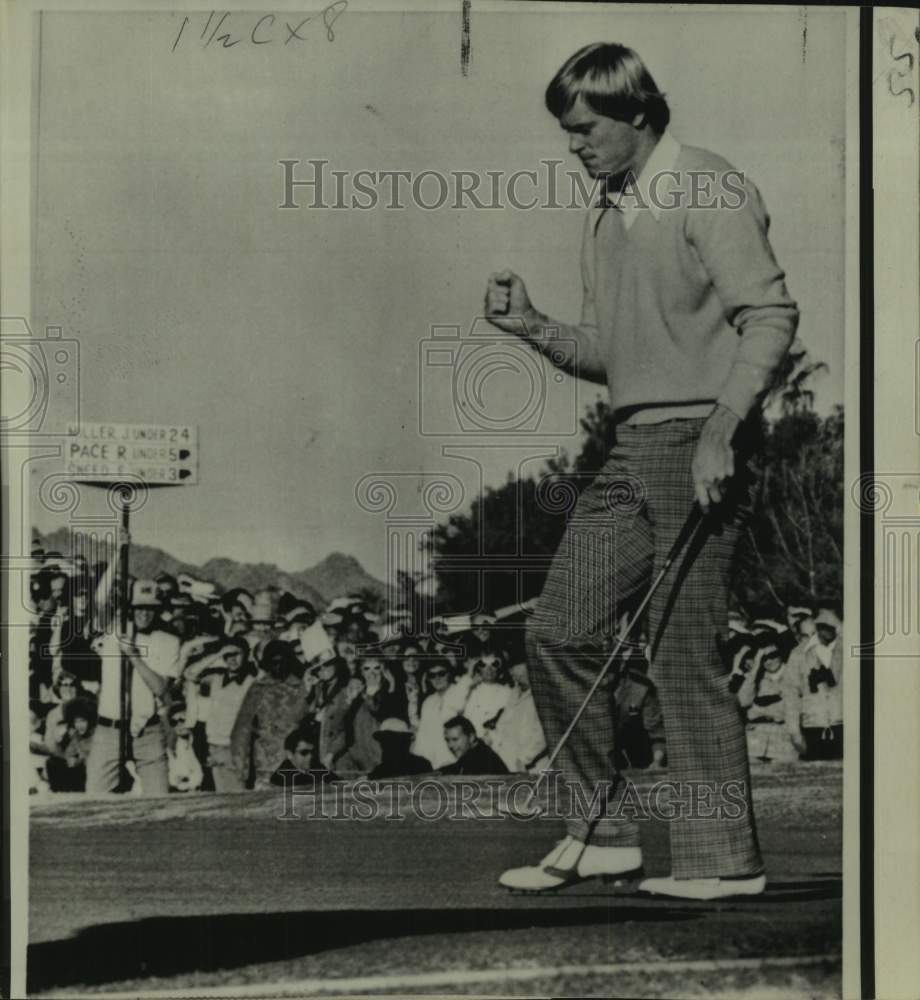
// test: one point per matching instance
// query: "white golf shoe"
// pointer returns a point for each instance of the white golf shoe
(570, 862)
(704, 888)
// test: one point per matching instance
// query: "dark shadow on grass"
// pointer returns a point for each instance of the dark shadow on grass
(169, 946)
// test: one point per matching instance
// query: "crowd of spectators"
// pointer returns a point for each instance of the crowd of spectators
(228, 691)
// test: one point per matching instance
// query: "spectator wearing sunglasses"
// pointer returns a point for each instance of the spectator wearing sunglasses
(444, 701)
(489, 692)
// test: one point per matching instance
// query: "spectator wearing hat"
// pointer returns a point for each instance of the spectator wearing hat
(517, 735)
(814, 691)
(396, 757)
(489, 691)
(66, 768)
(274, 705)
(228, 675)
(328, 701)
(264, 619)
(152, 657)
(300, 768)
(444, 701)
(167, 588)
(471, 755)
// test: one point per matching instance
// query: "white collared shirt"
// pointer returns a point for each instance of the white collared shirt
(652, 185)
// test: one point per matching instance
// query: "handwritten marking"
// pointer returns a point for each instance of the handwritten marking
(908, 71)
(266, 30)
(465, 44)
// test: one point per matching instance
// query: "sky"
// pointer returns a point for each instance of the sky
(300, 342)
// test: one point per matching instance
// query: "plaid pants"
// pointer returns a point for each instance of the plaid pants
(619, 534)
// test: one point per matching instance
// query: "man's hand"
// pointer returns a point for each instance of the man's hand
(128, 645)
(506, 297)
(714, 461)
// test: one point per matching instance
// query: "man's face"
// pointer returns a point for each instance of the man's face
(826, 634)
(144, 618)
(806, 628)
(81, 725)
(302, 756)
(58, 583)
(457, 741)
(604, 145)
(166, 589)
(233, 659)
(372, 672)
(439, 677)
(519, 676)
(488, 669)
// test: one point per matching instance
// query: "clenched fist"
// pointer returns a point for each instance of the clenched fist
(506, 299)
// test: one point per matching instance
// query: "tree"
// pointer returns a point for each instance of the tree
(792, 550)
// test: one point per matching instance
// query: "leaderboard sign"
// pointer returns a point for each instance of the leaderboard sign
(157, 454)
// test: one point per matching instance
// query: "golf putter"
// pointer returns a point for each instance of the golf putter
(686, 534)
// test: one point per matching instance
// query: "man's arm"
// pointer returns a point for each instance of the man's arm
(150, 677)
(734, 249)
(572, 348)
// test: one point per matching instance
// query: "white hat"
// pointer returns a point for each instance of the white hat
(144, 594)
(399, 726)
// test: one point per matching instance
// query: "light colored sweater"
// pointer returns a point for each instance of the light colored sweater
(684, 305)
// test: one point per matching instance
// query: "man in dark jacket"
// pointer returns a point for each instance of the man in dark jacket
(300, 768)
(395, 739)
(473, 756)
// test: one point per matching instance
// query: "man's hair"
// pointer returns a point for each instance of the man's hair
(461, 722)
(613, 81)
(302, 734)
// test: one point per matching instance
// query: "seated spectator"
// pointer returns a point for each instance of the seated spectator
(300, 768)
(814, 691)
(38, 751)
(489, 691)
(638, 722)
(443, 702)
(472, 756)
(396, 757)
(185, 773)
(517, 735)
(272, 707)
(66, 769)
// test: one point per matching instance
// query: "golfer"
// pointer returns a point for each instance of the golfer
(686, 318)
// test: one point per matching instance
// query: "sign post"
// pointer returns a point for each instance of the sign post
(124, 699)
(121, 458)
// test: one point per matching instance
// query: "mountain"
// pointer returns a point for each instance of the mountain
(334, 576)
